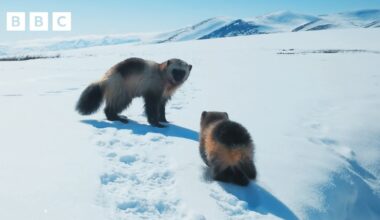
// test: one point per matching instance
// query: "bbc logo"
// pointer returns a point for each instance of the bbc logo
(39, 21)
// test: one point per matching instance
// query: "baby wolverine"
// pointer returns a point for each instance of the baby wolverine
(135, 77)
(227, 148)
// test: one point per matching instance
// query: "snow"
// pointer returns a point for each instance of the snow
(57, 44)
(353, 19)
(198, 30)
(283, 21)
(313, 116)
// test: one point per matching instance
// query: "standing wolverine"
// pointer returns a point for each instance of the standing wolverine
(135, 77)
(227, 148)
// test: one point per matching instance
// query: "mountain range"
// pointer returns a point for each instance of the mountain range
(282, 21)
(218, 27)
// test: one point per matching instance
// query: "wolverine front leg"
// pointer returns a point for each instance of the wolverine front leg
(162, 111)
(152, 109)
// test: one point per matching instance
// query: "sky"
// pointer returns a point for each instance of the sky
(126, 16)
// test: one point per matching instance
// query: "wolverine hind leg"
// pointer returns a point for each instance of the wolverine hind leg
(231, 174)
(113, 109)
(117, 99)
(249, 169)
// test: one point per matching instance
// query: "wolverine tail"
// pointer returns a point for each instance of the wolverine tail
(90, 99)
(232, 134)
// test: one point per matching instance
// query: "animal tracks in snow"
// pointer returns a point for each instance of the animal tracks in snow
(138, 181)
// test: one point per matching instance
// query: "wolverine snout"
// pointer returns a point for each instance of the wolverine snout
(179, 75)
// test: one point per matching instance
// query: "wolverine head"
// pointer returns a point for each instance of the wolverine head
(178, 71)
(210, 117)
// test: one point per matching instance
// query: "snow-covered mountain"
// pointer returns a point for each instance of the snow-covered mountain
(282, 21)
(285, 21)
(198, 30)
(236, 28)
(355, 19)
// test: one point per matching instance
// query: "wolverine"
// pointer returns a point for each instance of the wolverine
(227, 149)
(135, 77)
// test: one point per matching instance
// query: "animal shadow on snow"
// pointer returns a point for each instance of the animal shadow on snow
(257, 198)
(142, 129)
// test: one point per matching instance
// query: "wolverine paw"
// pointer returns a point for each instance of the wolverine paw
(164, 121)
(120, 118)
(157, 124)
(123, 119)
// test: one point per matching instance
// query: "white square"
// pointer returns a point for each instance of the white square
(39, 21)
(15, 21)
(61, 21)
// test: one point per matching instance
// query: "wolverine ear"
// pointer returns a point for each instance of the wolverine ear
(190, 67)
(226, 115)
(168, 62)
(164, 65)
(204, 113)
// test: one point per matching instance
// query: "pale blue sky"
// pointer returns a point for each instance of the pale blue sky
(123, 16)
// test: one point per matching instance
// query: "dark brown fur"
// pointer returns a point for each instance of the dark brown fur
(135, 77)
(226, 147)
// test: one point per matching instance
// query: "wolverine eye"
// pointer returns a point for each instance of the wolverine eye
(178, 74)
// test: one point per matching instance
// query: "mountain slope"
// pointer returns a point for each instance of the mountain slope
(236, 28)
(282, 21)
(198, 30)
(355, 19)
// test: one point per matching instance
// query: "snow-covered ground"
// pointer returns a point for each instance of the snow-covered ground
(309, 99)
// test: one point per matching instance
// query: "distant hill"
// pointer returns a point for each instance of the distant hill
(218, 27)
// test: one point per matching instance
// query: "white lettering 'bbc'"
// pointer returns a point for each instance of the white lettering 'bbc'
(61, 21)
(39, 21)
(15, 21)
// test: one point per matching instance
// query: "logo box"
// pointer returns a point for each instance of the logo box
(39, 21)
